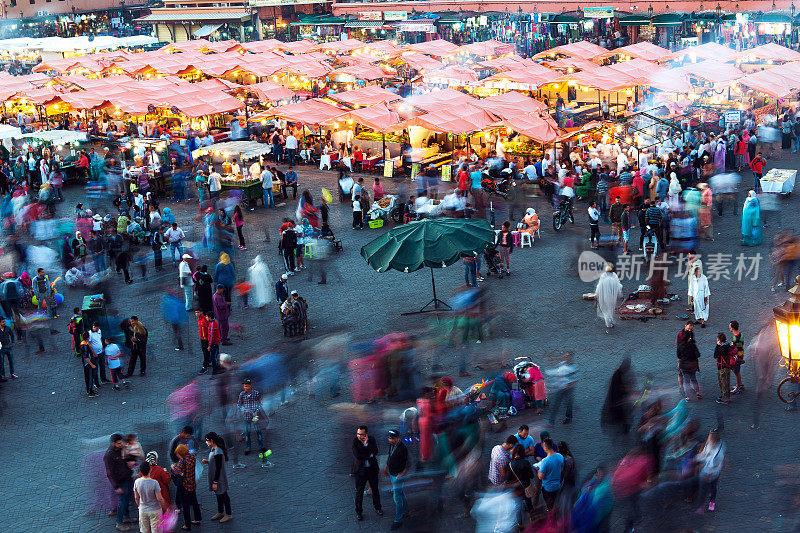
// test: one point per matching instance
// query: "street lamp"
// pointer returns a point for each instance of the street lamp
(787, 323)
(718, 11)
(650, 11)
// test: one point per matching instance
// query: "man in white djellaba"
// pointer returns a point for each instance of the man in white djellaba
(699, 293)
(608, 292)
(259, 276)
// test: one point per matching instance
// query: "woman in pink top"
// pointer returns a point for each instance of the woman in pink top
(377, 190)
(238, 220)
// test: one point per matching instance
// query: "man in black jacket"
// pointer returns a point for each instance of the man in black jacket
(365, 470)
(120, 476)
(396, 468)
(288, 247)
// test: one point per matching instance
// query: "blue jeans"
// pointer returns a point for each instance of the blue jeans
(213, 352)
(796, 144)
(269, 201)
(123, 501)
(188, 297)
(173, 249)
(6, 353)
(100, 261)
(471, 274)
(400, 501)
(248, 426)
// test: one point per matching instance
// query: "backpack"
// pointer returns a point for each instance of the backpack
(729, 359)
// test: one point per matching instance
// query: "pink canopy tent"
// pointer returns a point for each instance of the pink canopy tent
(532, 77)
(381, 47)
(438, 48)
(509, 62)
(642, 50)
(456, 119)
(709, 50)
(379, 117)
(538, 127)
(713, 71)
(672, 80)
(341, 47)
(268, 45)
(268, 91)
(306, 112)
(581, 49)
(452, 75)
(769, 51)
(639, 69)
(366, 96)
(490, 48)
(782, 81)
(575, 63)
(511, 104)
(436, 99)
(421, 62)
(364, 72)
(299, 47)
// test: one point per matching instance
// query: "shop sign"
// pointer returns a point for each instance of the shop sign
(598, 12)
(388, 168)
(369, 15)
(447, 172)
(414, 171)
(116, 21)
(733, 116)
(395, 15)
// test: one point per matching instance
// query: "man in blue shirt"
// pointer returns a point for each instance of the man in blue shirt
(291, 181)
(525, 440)
(550, 473)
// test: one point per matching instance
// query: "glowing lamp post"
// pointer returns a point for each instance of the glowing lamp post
(787, 322)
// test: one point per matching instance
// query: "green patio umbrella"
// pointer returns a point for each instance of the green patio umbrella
(432, 243)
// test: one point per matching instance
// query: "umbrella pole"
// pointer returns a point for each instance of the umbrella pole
(438, 305)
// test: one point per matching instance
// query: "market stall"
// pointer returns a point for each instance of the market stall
(245, 153)
(778, 180)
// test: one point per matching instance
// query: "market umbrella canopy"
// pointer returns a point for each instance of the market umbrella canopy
(432, 242)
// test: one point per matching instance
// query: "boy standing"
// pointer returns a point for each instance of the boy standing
(738, 342)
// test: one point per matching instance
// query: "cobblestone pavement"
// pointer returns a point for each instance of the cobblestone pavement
(48, 422)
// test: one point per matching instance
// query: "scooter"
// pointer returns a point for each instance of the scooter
(498, 186)
(562, 215)
(650, 244)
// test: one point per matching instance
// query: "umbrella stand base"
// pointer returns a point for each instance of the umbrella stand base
(436, 304)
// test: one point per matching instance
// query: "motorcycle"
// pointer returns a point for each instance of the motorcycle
(498, 186)
(650, 243)
(562, 215)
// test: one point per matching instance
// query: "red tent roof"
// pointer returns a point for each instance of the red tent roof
(307, 112)
(511, 104)
(581, 49)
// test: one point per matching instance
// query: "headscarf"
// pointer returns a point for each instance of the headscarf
(224, 258)
(151, 457)
(307, 229)
(530, 211)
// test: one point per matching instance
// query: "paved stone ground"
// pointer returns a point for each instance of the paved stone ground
(48, 422)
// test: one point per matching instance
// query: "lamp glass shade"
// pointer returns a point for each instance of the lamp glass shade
(789, 341)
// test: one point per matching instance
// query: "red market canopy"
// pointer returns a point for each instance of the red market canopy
(636, 68)
(511, 104)
(672, 80)
(581, 49)
(299, 47)
(642, 50)
(366, 96)
(380, 47)
(603, 79)
(306, 112)
(575, 63)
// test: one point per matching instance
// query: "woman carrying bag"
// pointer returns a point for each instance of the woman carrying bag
(521, 478)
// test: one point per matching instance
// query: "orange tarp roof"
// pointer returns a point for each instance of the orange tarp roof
(364, 72)
(510, 62)
(533, 76)
(782, 81)
(712, 70)
(384, 47)
(347, 45)
(366, 96)
(421, 62)
(636, 68)
(488, 48)
(571, 62)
